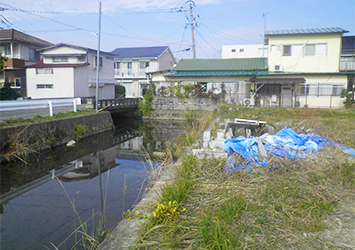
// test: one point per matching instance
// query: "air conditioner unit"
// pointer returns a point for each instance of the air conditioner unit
(278, 67)
(248, 102)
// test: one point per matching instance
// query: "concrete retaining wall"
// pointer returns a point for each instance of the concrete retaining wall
(52, 133)
(175, 103)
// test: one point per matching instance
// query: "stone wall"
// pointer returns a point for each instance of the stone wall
(43, 135)
(175, 103)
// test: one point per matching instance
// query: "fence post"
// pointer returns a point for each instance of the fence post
(50, 108)
(74, 105)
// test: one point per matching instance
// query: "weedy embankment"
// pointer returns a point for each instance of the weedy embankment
(288, 205)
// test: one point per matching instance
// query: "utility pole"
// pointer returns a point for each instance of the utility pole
(192, 28)
(98, 61)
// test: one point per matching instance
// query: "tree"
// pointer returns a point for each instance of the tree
(3, 59)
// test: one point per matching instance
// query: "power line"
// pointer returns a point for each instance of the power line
(43, 17)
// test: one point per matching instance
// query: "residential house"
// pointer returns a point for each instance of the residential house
(302, 70)
(20, 49)
(309, 54)
(70, 71)
(212, 73)
(133, 66)
(244, 51)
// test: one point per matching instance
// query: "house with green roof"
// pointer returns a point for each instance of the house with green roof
(234, 73)
(302, 70)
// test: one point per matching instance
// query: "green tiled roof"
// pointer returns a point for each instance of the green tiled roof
(304, 31)
(221, 64)
(197, 73)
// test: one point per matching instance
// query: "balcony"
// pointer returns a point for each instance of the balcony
(129, 73)
(13, 63)
(347, 63)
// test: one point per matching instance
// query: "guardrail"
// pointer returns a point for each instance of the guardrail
(115, 104)
(40, 103)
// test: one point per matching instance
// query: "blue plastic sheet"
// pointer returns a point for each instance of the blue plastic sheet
(285, 143)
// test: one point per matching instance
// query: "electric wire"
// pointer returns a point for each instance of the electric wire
(198, 33)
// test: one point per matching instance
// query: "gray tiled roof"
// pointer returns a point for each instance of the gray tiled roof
(304, 31)
(139, 52)
(15, 35)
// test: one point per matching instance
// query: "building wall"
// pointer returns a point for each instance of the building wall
(81, 79)
(322, 101)
(62, 80)
(166, 61)
(244, 51)
(301, 63)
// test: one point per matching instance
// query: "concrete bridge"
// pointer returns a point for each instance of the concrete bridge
(125, 107)
(119, 104)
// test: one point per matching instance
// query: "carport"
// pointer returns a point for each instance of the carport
(275, 91)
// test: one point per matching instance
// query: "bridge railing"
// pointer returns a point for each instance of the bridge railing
(111, 104)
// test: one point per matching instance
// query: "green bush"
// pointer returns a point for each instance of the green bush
(120, 90)
(145, 107)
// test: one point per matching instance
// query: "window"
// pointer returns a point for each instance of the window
(5, 51)
(310, 50)
(127, 68)
(337, 88)
(117, 65)
(321, 49)
(275, 47)
(234, 50)
(95, 61)
(325, 89)
(321, 89)
(241, 50)
(309, 89)
(44, 86)
(59, 59)
(82, 59)
(286, 50)
(143, 65)
(15, 82)
(40, 71)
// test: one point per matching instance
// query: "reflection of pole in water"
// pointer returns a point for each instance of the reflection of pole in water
(100, 182)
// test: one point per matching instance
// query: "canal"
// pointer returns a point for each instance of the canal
(66, 194)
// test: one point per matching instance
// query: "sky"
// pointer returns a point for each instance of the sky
(143, 23)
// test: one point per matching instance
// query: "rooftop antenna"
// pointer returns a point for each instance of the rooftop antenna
(264, 16)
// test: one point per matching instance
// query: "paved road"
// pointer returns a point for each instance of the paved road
(29, 113)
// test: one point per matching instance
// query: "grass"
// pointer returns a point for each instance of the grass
(38, 118)
(283, 207)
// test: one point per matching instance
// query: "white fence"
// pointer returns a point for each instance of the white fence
(40, 103)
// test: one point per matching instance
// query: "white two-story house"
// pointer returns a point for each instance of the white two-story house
(304, 68)
(70, 71)
(132, 66)
(21, 51)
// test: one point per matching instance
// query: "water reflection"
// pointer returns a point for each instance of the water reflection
(44, 202)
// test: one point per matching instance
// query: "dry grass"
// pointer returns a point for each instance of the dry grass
(285, 206)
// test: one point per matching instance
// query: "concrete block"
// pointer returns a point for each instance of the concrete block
(217, 145)
(220, 136)
(207, 136)
(205, 144)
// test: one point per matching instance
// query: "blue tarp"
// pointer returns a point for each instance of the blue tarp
(285, 143)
